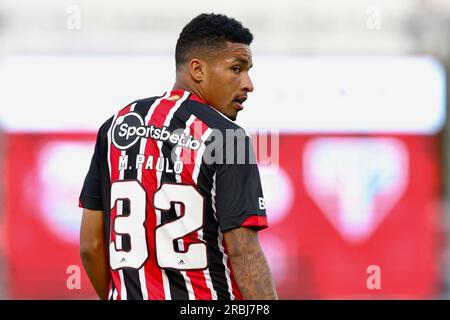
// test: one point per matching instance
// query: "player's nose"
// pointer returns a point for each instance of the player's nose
(247, 84)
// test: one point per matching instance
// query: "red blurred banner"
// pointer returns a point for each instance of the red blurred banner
(337, 205)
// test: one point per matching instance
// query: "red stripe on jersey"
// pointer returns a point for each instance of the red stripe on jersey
(198, 280)
(153, 273)
(188, 156)
(255, 221)
(114, 155)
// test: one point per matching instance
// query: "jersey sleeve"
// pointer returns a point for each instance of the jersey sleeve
(91, 195)
(239, 197)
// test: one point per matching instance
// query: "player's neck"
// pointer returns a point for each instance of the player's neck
(182, 85)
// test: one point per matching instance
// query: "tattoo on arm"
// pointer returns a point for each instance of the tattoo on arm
(249, 264)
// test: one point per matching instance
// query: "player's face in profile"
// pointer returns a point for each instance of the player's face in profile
(228, 79)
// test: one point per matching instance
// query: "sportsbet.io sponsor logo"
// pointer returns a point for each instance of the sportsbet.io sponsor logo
(129, 128)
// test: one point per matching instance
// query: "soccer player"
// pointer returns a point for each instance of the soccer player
(172, 202)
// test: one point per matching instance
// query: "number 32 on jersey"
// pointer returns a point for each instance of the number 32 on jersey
(134, 226)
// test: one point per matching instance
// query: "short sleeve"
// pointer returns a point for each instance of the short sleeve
(91, 195)
(239, 197)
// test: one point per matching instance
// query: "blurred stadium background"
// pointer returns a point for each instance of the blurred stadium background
(357, 90)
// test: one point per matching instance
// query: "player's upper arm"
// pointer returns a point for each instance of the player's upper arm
(239, 198)
(92, 232)
(91, 193)
(241, 241)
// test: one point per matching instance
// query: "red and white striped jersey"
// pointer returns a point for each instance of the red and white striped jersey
(171, 175)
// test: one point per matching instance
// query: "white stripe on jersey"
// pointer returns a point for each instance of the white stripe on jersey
(143, 282)
(186, 132)
(198, 158)
(189, 287)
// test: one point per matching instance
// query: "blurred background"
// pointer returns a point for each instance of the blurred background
(358, 200)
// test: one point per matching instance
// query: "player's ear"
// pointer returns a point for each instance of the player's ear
(197, 69)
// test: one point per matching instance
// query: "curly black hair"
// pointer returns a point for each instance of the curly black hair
(210, 31)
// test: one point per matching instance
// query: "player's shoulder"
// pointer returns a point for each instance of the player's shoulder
(139, 103)
(104, 128)
(144, 101)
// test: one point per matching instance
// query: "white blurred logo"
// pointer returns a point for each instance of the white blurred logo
(62, 168)
(355, 181)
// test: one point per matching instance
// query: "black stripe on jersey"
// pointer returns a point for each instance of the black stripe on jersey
(106, 186)
(112, 290)
(131, 275)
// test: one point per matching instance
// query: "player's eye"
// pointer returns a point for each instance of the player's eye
(236, 69)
